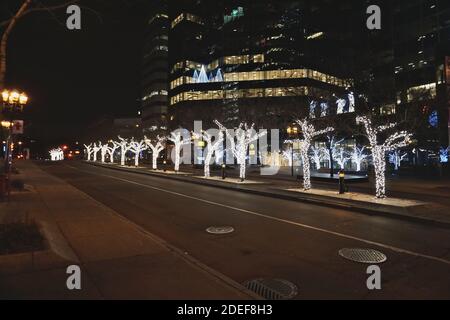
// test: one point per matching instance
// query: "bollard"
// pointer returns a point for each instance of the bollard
(341, 182)
(224, 174)
(164, 163)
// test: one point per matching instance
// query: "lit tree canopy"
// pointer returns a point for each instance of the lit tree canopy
(137, 147)
(112, 149)
(56, 154)
(358, 156)
(124, 148)
(309, 133)
(157, 146)
(177, 138)
(212, 147)
(89, 151)
(379, 149)
(96, 149)
(244, 135)
(317, 155)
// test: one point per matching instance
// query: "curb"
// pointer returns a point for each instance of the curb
(317, 200)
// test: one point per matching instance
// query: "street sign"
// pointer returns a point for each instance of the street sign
(17, 127)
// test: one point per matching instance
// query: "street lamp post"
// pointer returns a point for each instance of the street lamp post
(12, 104)
(292, 132)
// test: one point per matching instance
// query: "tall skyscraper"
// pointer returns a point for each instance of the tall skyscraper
(270, 61)
(155, 70)
(249, 60)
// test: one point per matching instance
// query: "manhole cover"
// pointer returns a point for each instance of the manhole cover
(220, 230)
(272, 289)
(363, 255)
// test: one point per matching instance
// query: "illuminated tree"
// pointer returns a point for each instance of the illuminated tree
(89, 151)
(111, 150)
(331, 145)
(240, 142)
(124, 148)
(379, 149)
(156, 148)
(396, 157)
(317, 155)
(177, 138)
(56, 154)
(309, 133)
(137, 147)
(96, 149)
(288, 155)
(213, 147)
(103, 151)
(443, 154)
(358, 156)
(341, 156)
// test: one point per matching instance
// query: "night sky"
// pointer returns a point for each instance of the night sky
(76, 77)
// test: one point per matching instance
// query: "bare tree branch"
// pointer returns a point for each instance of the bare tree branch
(27, 7)
(5, 38)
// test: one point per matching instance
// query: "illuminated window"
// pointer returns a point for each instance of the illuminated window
(422, 92)
(177, 20)
(387, 109)
(246, 93)
(258, 58)
(158, 16)
(189, 17)
(235, 13)
(315, 35)
(271, 75)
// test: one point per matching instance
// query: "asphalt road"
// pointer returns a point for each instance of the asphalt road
(275, 238)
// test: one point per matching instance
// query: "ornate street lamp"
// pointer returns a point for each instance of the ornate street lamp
(13, 102)
(292, 132)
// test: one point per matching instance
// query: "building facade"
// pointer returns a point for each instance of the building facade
(268, 62)
(249, 60)
(155, 70)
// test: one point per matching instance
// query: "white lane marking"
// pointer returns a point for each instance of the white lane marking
(305, 226)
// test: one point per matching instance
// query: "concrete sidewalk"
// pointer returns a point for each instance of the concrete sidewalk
(423, 212)
(118, 259)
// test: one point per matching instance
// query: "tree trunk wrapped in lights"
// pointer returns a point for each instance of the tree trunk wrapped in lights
(341, 157)
(103, 151)
(309, 133)
(124, 148)
(212, 148)
(178, 141)
(137, 147)
(156, 149)
(240, 142)
(396, 158)
(358, 156)
(89, 151)
(288, 155)
(393, 142)
(330, 150)
(96, 150)
(317, 155)
(112, 150)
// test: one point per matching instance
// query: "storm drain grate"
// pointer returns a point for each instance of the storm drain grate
(363, 255)
(220, 230)
(272, 289)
